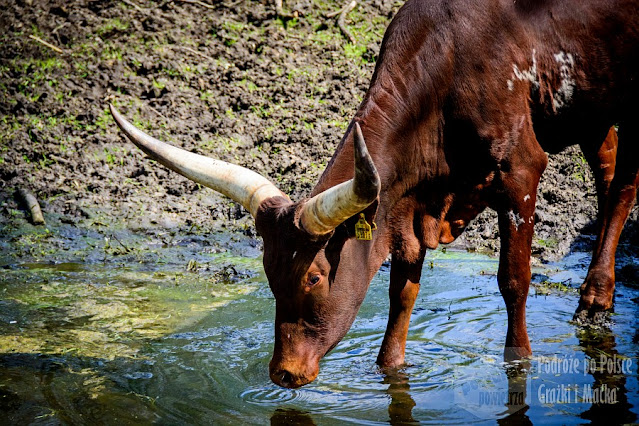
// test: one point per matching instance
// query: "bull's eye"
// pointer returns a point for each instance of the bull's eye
(313, 280)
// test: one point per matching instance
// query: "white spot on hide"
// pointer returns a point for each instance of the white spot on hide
(524, 75)
(527, 197)
(515, 219)
(563, 95)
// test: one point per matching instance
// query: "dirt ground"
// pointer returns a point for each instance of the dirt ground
(228, 79)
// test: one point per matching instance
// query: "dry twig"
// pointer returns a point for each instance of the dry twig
(130, 3)
(199, 3)
(279, 9)
(128, 250)
(31, 202)
(59, 159)
(341, 21)
(147, 11)
(232, 5)
(195, 52)
(46, 43)
(158, 113)
(334, 13)
(59, 27)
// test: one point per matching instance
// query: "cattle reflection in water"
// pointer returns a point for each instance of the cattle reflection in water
(609, 380)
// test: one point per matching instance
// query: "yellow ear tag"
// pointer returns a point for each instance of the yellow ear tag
(363, 230)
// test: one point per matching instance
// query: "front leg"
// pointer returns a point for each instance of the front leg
(516, 223)
(516, 212)
(404, 287)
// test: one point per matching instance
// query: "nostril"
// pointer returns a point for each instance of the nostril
(286, 379)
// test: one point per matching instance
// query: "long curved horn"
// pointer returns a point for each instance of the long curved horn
(325, 211)
(238, 183)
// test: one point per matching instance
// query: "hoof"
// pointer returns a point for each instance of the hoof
(592, 318)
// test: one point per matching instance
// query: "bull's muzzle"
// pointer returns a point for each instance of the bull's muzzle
(294, 373)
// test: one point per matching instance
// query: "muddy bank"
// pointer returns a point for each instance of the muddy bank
(231, 80)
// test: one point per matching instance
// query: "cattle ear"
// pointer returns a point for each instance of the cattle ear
(370, 213)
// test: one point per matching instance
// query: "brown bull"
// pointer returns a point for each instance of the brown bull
(466, 97)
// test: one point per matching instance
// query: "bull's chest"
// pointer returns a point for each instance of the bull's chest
(429, 216)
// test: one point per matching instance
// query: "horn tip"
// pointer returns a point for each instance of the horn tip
(358, 133)
(116, 115)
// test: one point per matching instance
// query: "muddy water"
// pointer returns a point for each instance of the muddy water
(137, 343)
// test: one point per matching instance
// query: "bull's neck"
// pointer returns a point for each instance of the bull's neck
(400, 116)
(403, 131)
(400, 138)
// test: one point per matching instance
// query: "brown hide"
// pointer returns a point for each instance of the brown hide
(465, 98)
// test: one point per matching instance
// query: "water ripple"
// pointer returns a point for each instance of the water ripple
(271, 395)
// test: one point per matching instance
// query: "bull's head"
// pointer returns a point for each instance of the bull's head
(311, 267)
